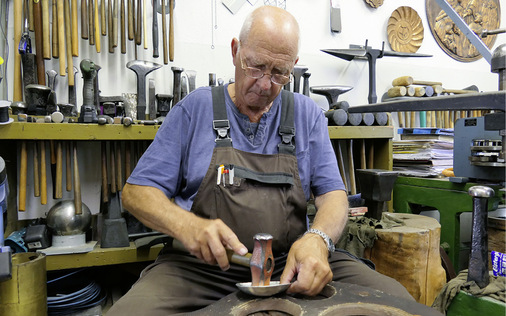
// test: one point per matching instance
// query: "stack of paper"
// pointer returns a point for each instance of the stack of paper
(423, 154)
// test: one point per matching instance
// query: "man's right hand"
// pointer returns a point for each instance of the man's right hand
(208, 239)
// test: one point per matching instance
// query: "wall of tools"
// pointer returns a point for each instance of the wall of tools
(155, 44)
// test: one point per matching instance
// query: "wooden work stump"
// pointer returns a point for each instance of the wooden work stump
(410, 254)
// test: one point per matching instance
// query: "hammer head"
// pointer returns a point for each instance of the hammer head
(142, 67)
(88, 69)
(262, 260)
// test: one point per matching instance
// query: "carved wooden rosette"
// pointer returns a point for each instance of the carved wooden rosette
(479, 15)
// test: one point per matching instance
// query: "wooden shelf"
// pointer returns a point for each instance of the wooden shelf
(76, 131)
(102, 257)
(361, 132)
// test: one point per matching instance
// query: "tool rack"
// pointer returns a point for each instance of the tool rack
(11, 134)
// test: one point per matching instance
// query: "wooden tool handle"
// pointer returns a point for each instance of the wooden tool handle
(130, 11)
(31, 22)
(22, 177)
(61, 36)
(91, 21)
(109, 25)
(36, 179)
(351, 168)
(18, 23)
(128, 162)
(68, 38)
(164, 35)
(408, 80)
(68, 169)
(39, 57)
(75, 35)
(115, 24)
(397, 91)
(84, 19)
(43, 177)
(144, 25)
(122, 22)
(103, 16)
(119, 176)
(112, 155)
(138, 21)
(232, 257)
(363, 163)
(171, 30)
(54, 31)
(419, 91)
(105, 185)
(400, 117)
(370, 157)
(77, 185)
(97, 27)
(59, 171)
(457, 91)
(46, 42)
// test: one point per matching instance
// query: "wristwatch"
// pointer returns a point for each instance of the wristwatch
(326, 238)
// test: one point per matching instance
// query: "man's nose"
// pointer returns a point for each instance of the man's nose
(265, 82)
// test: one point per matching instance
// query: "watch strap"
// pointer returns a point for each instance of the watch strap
(326, 238)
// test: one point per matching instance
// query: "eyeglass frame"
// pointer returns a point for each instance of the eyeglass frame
(289, 77)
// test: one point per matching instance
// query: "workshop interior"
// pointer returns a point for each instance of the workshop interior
(414, 93)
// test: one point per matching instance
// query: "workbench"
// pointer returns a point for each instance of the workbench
(450, 199)
(377, 137)
(102, 257)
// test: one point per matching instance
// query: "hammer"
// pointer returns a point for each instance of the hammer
(142, 69)
(261, 261)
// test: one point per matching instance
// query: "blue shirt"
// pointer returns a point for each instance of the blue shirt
(179, 156)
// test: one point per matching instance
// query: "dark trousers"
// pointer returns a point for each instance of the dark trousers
(179, 283)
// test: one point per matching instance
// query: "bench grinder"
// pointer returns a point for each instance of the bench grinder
(5, 251)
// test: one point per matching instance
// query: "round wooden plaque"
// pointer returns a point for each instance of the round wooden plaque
(478, 14)
(405, 30)
(374, 3)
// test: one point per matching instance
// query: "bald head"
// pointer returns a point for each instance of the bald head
(269, 23)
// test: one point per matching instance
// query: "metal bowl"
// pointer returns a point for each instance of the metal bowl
(272, 289)
(63, 221)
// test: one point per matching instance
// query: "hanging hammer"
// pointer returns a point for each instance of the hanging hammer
(142, 69)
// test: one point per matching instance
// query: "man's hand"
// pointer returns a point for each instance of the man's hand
(204, 238)
(308, 262)
(208, 240)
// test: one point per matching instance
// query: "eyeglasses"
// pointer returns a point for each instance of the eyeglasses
(255, 73)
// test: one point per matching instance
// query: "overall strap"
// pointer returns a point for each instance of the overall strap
(221, 123)
(287, 124)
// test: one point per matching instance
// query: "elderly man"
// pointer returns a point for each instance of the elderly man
(239, 160)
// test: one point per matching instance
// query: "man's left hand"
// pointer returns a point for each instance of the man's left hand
(308, 262)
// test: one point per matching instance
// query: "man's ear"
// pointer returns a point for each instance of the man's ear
(235, 48)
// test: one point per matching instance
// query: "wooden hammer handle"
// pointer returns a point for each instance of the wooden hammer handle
(43, 177)
(54, 31)
(75, 35)
(61, 36)
(37, 17)
(46, 43)
(22, 177)
(84, 19)
(68, 38)
(77, 185)
(18, 23)
(59, 171)
(171, 30)
(36, 179)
